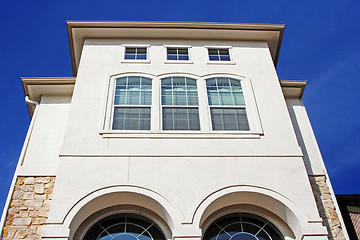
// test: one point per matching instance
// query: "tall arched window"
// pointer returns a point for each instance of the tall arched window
(124, 227)
(227, 104)
(242, 226)
(180, 106)
(132, 103)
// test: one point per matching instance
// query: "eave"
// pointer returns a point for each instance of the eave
(78, 31)
(34, 88)
(292, 88)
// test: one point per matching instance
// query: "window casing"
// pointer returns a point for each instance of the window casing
(177, 53)
(227, 104)
(180, 105)
(132, 103)
(219, 54)
(242, 226)
(124, 226)
(135, 53)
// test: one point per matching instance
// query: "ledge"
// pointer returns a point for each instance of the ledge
(292, 88)
(34, 88)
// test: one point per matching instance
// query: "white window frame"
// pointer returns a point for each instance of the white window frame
(147, 60)
(231, 62)
(205, 131)
(178, 61)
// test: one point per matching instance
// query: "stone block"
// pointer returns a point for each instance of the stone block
(21, 234)
(42, 179)
(21, 221)
(41, 197)
(17, 195)
(20, 181)
(33, 213)
(28, 188)
(39, 188)
(28, 195)
(34, 203)
(38, 221)
(23, 214)
(43, 213)
(29, 180)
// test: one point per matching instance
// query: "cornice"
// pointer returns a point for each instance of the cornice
(78, 31)
(293, 88)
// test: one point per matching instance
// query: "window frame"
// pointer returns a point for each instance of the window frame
(255, 126)
(188, 47)
(229, 48)
(178, 106)
(147, 47)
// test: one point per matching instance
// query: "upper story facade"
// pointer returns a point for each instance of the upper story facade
(186, 120)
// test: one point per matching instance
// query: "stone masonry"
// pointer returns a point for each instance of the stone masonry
(326, 207)
(29, 208)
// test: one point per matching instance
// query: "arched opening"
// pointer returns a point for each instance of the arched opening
(242, 226)
(124, 226)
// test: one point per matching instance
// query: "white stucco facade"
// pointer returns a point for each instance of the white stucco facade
(181, 180)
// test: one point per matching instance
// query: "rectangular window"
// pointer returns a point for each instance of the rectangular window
(179, 100)
(219, 54)
(136, 53)
(132, 103)
(177, 54)
(227, 104)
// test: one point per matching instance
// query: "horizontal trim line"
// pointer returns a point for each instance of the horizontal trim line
(192, 156)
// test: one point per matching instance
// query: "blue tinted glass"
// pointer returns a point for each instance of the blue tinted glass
(171, 57)
(141, 56)
(183, 57)
(224, 57)
(130, 56)
(214, 57)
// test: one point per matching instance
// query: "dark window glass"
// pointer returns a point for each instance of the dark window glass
(135, 53)
(124, 226)
(219, 54)
(177, 54)
(242, 226)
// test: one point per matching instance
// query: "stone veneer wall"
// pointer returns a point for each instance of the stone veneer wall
(29, 208)
(326, 207)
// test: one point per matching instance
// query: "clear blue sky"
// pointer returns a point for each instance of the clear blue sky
(321, 44)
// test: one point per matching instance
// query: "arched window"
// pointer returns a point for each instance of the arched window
(124, 227)
(227, 104)
(132, 103)
(180, 106)
(242, 226)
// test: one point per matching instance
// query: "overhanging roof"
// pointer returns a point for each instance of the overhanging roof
(293, 88)
(78, 31)
(34, 88)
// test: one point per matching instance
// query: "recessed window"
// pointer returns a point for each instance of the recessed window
(242, 226)
(132, 103)
(177, 53)
(227, 104)
(219, 54)
(135, 53)
(124, 227)
(180, 107)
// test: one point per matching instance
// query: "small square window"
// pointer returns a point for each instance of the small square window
(177, 54)
(219, 54)
(136, 53)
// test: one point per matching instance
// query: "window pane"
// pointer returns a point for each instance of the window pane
(179, 91)
(229, 119)
(181, 119)
(225, 91)
(131, 118)
(177, 54)
(135, 53)
(219, 54)
(133, 90)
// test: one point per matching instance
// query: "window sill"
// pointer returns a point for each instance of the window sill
(135, 61)
(221, 63)
(178, 62)
(181, 134)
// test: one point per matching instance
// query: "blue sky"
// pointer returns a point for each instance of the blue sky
(321, 44)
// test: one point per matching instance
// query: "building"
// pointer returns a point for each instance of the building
(170, 131)
(349, 206)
